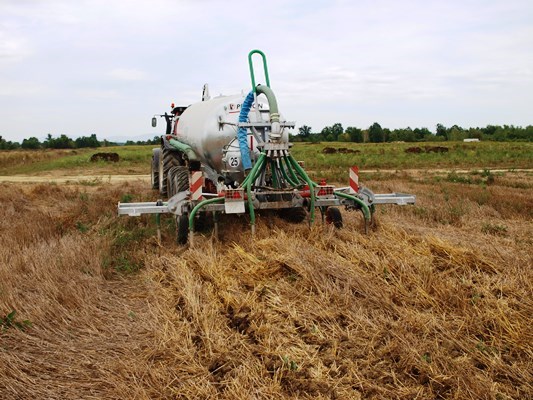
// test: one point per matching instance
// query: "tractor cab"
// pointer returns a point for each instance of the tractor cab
(171, 119)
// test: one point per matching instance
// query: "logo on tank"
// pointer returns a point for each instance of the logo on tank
(236, 107)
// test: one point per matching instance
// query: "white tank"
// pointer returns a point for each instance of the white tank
(209, 127)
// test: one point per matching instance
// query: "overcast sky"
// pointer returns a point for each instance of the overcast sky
(79, 67)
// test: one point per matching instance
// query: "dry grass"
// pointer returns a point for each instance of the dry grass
(13, 158)
(433, 303)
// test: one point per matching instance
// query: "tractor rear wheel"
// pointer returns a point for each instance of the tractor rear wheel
(334, 216)
(167, 160)
(177, 180)
(154, 168)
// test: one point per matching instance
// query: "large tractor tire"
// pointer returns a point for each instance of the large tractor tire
(154, 169)
(177, 180)
(167, 160)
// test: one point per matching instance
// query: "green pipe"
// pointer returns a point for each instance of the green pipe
(185, 148)
(286, 175)
(298, 176)
(272, 102)
(200, 205)
(311, 184)
(291, 170)
(260, 160)
(364, 207)
(250, 54)
(253, 176)
(301, 171)
(303, 174)
(275, 182)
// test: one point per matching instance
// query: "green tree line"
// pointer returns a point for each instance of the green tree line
(64, 142)
(377, 134)
(334, 133)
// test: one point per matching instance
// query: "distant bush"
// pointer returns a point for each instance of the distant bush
(5, 145)
(31, 143)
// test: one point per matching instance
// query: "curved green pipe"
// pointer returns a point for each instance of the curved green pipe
(272, 102)
(364, 207)
(259, 161)
(185, 148)
(284, 169)
(301, 172)
(291, 170)
(200, 205)
(311, 184)
(250, 54)
(303, 176)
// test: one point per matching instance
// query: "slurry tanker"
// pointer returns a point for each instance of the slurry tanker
(231, 154)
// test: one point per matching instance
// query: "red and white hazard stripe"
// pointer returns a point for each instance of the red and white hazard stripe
(354, 179)
(196, 183)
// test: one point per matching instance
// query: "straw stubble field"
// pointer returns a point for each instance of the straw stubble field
(434, 303)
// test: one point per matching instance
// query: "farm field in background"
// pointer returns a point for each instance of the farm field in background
(136, 159)
(435, 302)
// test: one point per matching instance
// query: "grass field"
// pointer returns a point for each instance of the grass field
(434, 303)
(133, 159)
(136, 159)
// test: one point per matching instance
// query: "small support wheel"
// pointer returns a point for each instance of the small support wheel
(334, 216)
(182, 228)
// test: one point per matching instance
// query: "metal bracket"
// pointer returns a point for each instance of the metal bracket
(259, 124)
(400, 199)
(176, 202)
(137, 209)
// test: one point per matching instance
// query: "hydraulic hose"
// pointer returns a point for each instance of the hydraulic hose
(364, 207)
(274, 112)
(200, 205)
(291, 170)
(256, 166)
(242, 135)
(284, 169)
(272, 102)
(185, 148)
(311, 184)
(253, 176)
